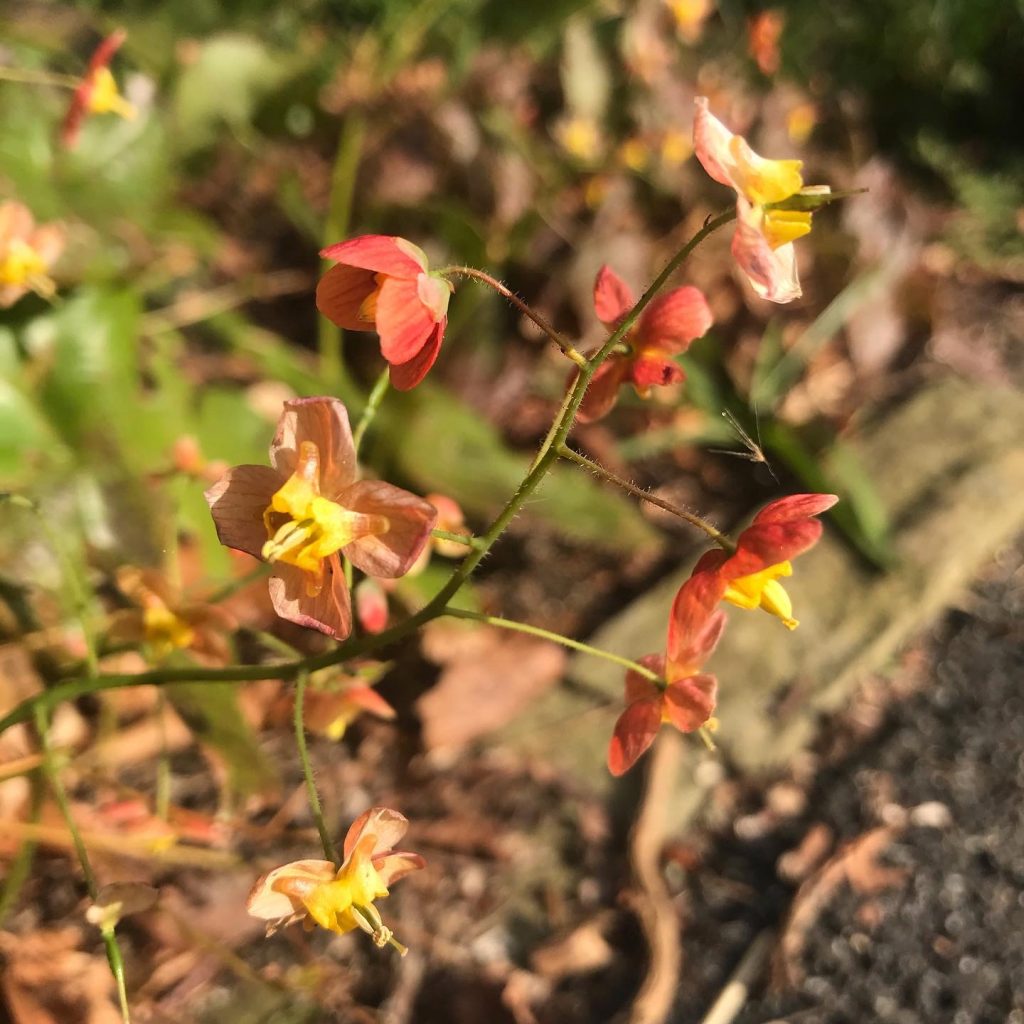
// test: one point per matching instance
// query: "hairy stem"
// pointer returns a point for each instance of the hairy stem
(437, 605)
(380, 389)
(330, 852)
(525, 308)
(638, 492)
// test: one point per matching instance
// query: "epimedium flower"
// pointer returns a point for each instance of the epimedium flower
(27, 252)
(308, 508)
(749, 576)
(163, 623)
(334, 701)
(763, 243)
(97, 93)
(382, 283)
(340, 899)
(687, 698)
(665, 329)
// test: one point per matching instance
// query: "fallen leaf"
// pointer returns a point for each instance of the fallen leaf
(489, 677)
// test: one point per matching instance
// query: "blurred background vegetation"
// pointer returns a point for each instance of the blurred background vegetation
(536, 139)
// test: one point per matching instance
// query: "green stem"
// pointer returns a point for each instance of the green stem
(360, 646)
(576, 645)
(465, 539)
(527, 310)
(343, 183)
(380, 389)
(307, 771)
(114, 957)
(638, 492)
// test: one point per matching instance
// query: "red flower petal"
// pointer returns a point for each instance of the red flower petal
(405, 376)
(675, 320)
(634, 733)
(329, 612)
(341, 293)
(770, 543)
(324, 421)
(383, 254)
(613, 298)
(639, 687)
(654, 371)
(385, 825)
(411, 519)
(795, 506)
(694, 626)
(237, 502)
(689, 702)
(404, 323)
(689, 651)
(604, 389)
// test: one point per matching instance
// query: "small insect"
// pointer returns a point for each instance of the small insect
(754, 452)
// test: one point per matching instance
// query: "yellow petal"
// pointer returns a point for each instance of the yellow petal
(761, 180)
(783, 226)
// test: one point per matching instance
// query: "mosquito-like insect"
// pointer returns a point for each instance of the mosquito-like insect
(754, 452)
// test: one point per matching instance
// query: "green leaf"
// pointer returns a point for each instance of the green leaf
(90, 343)
(223, 87)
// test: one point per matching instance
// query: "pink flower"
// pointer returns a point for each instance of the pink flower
(666, 328)
(382, 284)
(763, 243)
(97, 93)
(27, 252)
(687, 698)
(308, 508)
(340, 899)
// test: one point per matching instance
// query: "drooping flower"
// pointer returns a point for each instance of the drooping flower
(308, 508)
(749, 577)
(340, 899)
(334, 701)
(381, 283)
(666, 328)
(763, 243)
(687, 699)
(27, 252)
(162, 622)
(97, 93)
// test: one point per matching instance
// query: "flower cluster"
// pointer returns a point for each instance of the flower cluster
(308, 509)
(340, 899)
(746, 576)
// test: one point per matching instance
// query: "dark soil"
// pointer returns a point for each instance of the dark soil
(945, 943)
